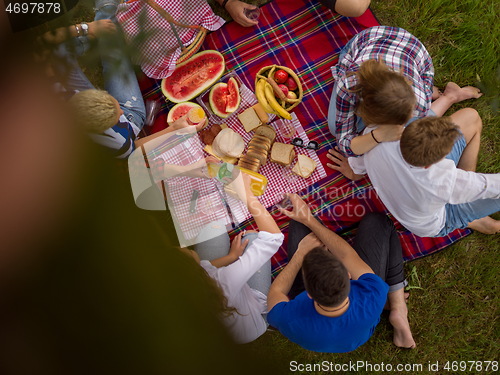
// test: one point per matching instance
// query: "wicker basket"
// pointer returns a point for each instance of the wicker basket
(288, 104)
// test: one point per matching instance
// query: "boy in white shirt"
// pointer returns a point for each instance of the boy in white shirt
(427, 179)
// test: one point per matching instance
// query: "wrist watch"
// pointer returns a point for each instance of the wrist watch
(85, 29)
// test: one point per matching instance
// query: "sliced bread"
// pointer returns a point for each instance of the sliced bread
(304, 167)
(249, 119)
(282, 153)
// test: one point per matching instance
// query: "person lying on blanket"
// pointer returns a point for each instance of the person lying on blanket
(330, 295)
(242, 269)
(427, 180)
(115, 117)
(384, 75)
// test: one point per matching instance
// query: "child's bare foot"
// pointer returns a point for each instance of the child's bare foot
(436, 93)
(458, 94)
(486, 225)
(398, 317)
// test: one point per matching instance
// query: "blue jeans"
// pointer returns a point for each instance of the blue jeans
(119, 76)
(460, 215)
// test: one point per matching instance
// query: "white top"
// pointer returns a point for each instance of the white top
(249, 324)
(417, 196)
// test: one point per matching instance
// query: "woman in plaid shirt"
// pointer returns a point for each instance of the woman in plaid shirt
(371, 89)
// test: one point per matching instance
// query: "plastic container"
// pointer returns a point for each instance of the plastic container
(202, 99)
(222, 171)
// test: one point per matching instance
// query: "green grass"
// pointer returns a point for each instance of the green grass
(454, 316)
(454, 302)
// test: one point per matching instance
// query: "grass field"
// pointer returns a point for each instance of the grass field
(454, 303)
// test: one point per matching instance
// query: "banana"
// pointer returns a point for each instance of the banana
(282, 112)
(261, 96)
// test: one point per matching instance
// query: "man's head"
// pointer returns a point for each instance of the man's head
(386, 97)
(95, 110)
(428, 140)
(325, 277)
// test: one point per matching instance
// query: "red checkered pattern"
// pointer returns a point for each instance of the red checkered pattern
(281, 179)
(153, 37)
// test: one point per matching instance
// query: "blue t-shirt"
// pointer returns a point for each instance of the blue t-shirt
(299, 321)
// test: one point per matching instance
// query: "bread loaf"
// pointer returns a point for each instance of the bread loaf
(266, 131)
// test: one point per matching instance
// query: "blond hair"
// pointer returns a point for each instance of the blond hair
(427, 140)
(94, 110)
(386, 98)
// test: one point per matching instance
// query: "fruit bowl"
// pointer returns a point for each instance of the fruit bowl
(287, 103)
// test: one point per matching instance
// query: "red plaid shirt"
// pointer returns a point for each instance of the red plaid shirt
(400, 51)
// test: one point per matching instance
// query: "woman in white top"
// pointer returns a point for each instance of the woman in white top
(242, 269)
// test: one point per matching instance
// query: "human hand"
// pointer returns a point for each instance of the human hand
(236, 9)
(341, 164)
(97, 28)
(238, 186)
(182, 123)
(309, 242)
(237, 246)
(300, 211)
(388, 133)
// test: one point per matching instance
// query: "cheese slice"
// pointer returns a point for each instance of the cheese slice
(226, 159)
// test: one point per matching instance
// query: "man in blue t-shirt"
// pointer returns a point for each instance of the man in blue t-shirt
(337, 299)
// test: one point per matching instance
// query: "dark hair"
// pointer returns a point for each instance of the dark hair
(386, 98)
(325, 277)
(427, 140)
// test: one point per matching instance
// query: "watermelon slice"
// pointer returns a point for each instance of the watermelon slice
(233, 98)
(180, 110)
(218, 99)
(193, 76)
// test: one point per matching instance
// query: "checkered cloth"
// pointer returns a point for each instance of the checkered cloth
(306, 37)
(281, 180)
(212, 203)
(147, 31)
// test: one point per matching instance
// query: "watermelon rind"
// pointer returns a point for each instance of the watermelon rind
(180, 110)
(217, 99)
(234, 97)
(190, 79)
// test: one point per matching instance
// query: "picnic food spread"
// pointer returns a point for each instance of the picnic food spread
(278, 91)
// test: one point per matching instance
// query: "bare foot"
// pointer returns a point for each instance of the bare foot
(436, 93)
(458, 94)
(402, 338)
(486, 225)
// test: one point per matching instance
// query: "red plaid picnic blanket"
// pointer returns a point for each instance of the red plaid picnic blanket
(307, 37)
